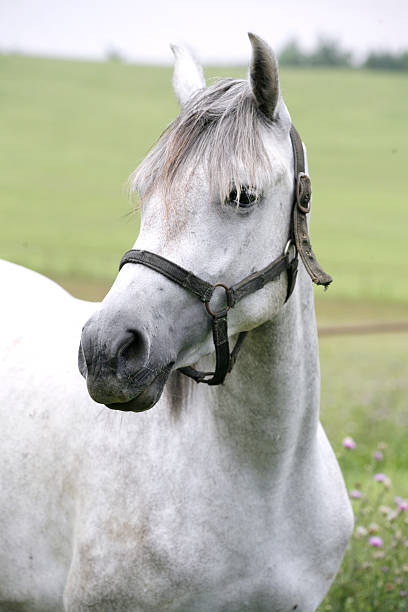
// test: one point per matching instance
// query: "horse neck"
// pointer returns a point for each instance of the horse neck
(269, 404)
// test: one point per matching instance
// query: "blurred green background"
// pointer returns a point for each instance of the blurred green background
(72, 132)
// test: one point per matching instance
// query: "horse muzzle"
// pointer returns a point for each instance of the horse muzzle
(148, 397)
(121, 374)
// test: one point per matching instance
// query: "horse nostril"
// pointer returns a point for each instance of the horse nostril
(135, 351)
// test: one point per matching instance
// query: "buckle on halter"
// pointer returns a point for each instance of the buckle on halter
(286, 251)
(303, 192)
(225, 309)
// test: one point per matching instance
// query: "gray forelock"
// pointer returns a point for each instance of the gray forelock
(218, 129)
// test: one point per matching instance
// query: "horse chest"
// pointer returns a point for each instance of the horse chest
(184, 556)
(210, 576)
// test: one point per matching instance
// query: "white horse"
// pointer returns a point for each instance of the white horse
(221, 498)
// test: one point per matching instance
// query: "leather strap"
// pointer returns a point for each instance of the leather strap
(258, 280)
(301, 208)
(171, 270)
(222, 355)
(220, 373)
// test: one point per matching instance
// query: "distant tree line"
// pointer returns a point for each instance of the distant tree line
(329, 53)
(387, 61)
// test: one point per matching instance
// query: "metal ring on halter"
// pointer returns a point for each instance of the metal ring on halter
(226, 308)
(290, 243)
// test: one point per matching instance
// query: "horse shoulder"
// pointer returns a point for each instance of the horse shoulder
(43, 410)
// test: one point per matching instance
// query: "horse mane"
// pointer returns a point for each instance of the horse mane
(219, 129)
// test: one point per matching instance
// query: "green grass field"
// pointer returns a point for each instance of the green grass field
(71, 132)
(365, 395)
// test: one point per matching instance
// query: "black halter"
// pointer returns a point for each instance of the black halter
(298, 243)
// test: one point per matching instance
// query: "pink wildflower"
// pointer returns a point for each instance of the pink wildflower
(378, 455)
(349, 443)
(356, 494)
(384, 479)
(403, 505)
(403, 593)
(375, 541)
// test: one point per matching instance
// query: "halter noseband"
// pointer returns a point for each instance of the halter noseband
(298, 243)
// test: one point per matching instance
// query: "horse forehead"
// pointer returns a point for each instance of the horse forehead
(187, 205)
(190, 206)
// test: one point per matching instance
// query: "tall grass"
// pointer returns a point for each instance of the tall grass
(374, 573)
(364, 397)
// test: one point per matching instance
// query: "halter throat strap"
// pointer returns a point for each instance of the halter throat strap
(298, 242)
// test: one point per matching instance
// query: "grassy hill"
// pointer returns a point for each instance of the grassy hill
(71, 132)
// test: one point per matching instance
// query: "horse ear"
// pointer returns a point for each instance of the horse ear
(188, 76)
(264, 76)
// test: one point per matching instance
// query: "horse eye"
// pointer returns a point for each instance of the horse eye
(247, 197)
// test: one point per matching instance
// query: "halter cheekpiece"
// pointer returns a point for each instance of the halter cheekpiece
(298, 244)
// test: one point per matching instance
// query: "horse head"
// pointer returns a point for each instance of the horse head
(216, 193)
